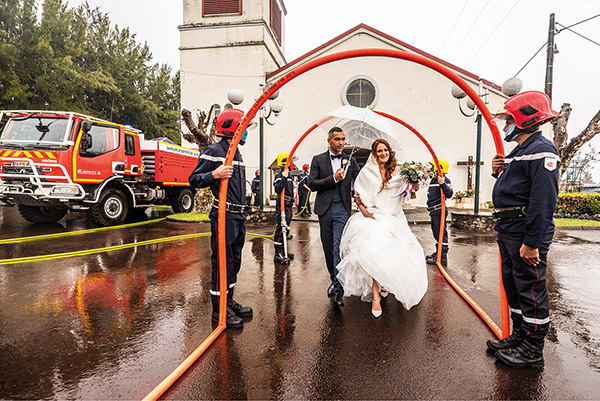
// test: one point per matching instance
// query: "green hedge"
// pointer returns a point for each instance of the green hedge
(578, 203)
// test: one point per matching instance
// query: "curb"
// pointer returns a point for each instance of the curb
(186, 221)
(577, 227)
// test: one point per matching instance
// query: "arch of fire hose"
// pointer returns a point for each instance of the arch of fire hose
(484, 316)
(390, 53)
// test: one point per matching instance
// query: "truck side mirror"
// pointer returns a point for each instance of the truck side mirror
(86, 137)
(86, 126)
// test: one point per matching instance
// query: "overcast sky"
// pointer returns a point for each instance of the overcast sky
(490, 38)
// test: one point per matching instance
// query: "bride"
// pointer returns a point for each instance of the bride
(379, 252)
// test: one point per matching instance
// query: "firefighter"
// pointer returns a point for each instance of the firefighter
(282, 181)
(209, 172)
(304, 193)
(256, 188)
(434, 207)
(524, 198)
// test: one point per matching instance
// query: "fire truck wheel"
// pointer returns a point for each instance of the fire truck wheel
(41, 214)
(182, 201)
(110, 210)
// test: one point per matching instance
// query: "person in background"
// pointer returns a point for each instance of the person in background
(524, 197)
(304, 193)
(256, 188)
(434, 207)
(283, 183)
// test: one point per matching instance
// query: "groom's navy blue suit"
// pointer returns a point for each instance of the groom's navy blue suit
(333, 205)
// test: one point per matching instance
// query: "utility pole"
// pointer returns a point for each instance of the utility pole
(550, 57)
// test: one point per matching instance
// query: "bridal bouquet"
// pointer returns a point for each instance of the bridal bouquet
(415, 172)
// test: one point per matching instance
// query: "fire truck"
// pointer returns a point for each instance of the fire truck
(52, 162)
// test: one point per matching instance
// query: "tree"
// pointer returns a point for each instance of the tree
(202, 139)
(568, 150)
(579, 171)
(73, 59)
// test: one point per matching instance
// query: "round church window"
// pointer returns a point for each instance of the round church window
(360, 91)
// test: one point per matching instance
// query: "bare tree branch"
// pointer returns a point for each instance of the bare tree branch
(568, 152)
(560, 126)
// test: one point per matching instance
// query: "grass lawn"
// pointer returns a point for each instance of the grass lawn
(576, 222)
(193, 216)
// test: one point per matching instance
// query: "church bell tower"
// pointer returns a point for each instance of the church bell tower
(227, 44)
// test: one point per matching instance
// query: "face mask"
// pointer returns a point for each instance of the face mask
(510, 133)
(243, 140)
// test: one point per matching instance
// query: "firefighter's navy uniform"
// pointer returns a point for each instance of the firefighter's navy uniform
(524, 198)
(434, 207)
(279, 184)
(235, 220)
(256, 189)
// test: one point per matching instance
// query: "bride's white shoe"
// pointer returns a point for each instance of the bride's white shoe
(376, 313)
(383, 292)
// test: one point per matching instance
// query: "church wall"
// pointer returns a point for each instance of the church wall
(416, 94)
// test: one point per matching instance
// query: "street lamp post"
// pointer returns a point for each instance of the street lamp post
(271, 107)
(511, 87)
(459, 94)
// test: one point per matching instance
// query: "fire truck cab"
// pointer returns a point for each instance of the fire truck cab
(52, 162)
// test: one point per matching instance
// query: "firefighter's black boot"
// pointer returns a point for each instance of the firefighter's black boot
(512, 341)
(232, 320)
(432, 259)
(527, 355)
(239, 310)
(279, 258)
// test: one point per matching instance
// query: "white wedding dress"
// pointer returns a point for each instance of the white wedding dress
(384, 249)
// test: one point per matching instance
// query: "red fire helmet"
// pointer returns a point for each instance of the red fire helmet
(257, 172)
(527, 109)
(228, 121)
(305, 167)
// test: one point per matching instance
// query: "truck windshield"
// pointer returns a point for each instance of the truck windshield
(35, 131)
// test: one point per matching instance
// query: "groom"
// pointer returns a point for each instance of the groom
(331, 176)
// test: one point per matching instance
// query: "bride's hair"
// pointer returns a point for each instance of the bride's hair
(390, 165)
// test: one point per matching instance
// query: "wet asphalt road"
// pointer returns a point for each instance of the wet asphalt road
(112, 325)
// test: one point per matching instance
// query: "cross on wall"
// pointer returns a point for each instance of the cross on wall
(470, 163)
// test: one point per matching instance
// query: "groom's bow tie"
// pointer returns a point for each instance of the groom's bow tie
(338, 156)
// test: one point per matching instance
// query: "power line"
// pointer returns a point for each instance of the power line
(495, 29)
(557, 32)
(536, 53)
(472, 25)
(453, 26)
(577, 23)
(576, 33)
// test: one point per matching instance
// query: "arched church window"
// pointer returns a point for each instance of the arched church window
(360, 91)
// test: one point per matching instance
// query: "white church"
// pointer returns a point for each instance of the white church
(240, 44)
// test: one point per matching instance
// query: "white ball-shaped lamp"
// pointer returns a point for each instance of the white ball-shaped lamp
(235, 96)
(512, 86)
(457, 92)
(276, 106)
(470, 104)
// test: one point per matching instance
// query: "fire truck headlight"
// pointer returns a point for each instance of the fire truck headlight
(65, 190)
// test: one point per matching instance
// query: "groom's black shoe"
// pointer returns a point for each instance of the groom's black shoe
(330, 292)
(338, 299)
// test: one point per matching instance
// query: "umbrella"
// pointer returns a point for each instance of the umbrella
(361, 126)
